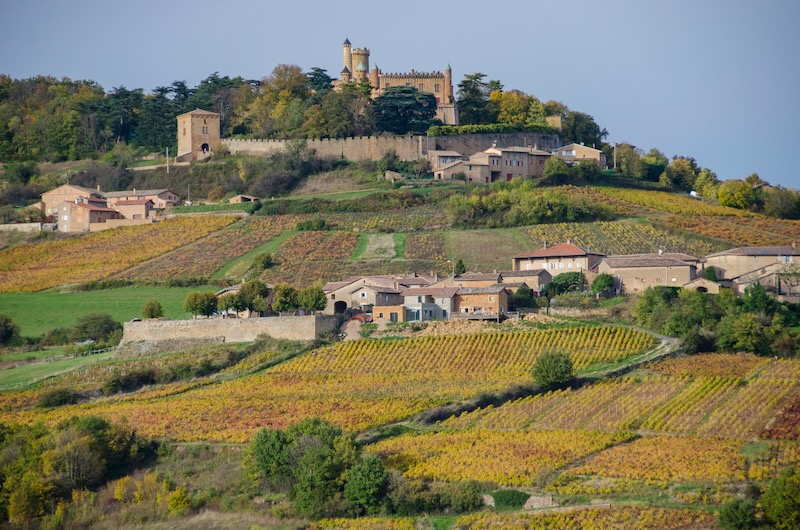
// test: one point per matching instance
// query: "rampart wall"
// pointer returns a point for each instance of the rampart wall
(308, 327)
(406, 147)
(358, 148)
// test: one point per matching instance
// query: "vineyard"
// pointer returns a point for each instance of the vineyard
(203, 258)
(672, 203)
(356, 385)
(741, 231)
(507, 458)
(426, 247)
(95, 256)
(621, 238)
(617, 518)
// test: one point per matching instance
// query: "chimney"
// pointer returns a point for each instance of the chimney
(545, 244)
(134, 191)
(660, 251)
(569, 241)
(98, 187)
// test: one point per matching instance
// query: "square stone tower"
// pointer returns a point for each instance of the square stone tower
(198, 134)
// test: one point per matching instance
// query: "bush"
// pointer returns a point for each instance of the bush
(603, 282)
(94, 326)
(366, 485)
(200, 303)
(153, 309)
(129, 381)
(781, 500)
(552, 369)
(316, 223)
(738, 514)
(510, 499)
(8, 329)
(58, 398)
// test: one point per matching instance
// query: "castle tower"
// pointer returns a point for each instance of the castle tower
(360, 58)
(448, 84)
(346, 75)
(198, 134)
(375, 80)
(347, 56)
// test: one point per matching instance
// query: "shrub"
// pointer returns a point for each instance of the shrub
(603, 282)
(58, 397)
(316, 223)
(94, 326)
(739, 514)
(552, 369)
(781, 500)
(8, 329)
(200, 303)
(366, 485)
(153, 309)
(510, 499)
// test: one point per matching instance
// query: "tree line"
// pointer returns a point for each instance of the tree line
(49, 119)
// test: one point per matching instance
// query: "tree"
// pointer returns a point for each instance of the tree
(523, 297)
(567, 281)
(249, 294)
(711, 273)
(555, 171)
(736, 194)
(319, 80)
(403, 110)
(312, 298)
(473, 100)
(552, 369)
(269, 453)
(655, 162)
(707, 183)
(459, 267)
(579, 127)
(782, 203)
(603, 282)
(781, 500)
(682, 172)
(231, 302)
(284, 298)
(630, 162)
(94, 326)
(200, 303)
(739, 514)
(8, 329)
(366, 485)
(153, 309)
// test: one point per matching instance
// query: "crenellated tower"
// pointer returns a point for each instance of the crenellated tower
(347, 56)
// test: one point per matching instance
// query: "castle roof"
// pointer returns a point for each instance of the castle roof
(361, 66)
(345, 70)
(347, 41)
(199, 112)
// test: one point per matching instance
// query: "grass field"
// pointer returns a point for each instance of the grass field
(238, 267)
(486, 249)
(28, 373)
(39, 312)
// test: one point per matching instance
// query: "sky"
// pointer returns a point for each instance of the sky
(716, 80)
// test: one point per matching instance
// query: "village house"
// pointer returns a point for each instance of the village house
(557, 259)
(773, 277)
(364, 292)
(736, 262)
(421, 304)
(500, 163)
(69, 193)
(79, 215)
(240, 199)
(162, 198)
(636, 272)
(491, 301)
(574, 153)
(135, 209)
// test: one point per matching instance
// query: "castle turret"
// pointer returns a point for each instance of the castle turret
(346, 75)
(448, 84)
(360, 58)
(347, 55)
(375, 80)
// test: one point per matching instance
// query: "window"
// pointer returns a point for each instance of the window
(184, 131)
(569, 265)
(560, 265)
(380, 315)
(436, 87)
(419, 299)
(578, 265)
(204, 121)
(362, 294)
(491, 298)
(420, 86)
(333, 297)
(66, 218)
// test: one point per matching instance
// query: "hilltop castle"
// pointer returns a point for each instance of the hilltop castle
(355, 67)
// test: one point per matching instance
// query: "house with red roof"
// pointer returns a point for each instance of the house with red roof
(557, 259)
(80, 214)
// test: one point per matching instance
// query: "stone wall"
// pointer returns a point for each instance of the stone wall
(27, 227)
(116, 223)
(229, 329)
(406, 147)
(358, 148)
(467, 144)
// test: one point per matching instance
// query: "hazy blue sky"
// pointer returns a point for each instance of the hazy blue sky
(716, 80)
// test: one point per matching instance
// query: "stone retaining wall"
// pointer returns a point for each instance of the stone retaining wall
(229, 329)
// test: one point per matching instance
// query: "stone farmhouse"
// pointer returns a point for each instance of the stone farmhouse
(636, 272)
(79, 209)
(507, 163)
(557, 259)
(738, 268)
